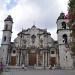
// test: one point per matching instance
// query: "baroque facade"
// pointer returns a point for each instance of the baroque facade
(35, 46)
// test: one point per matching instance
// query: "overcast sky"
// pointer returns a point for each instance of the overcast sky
(25, 13)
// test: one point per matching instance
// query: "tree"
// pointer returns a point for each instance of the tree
(71, 16)
(71, 9)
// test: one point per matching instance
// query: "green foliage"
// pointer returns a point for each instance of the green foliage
(71, 10)
(71, 5)
(73, 48)
(71, 13)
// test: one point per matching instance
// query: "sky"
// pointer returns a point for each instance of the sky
(25, 13)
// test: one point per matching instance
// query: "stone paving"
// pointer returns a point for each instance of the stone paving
(39, 72)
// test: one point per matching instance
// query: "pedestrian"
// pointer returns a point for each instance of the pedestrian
(50, 67)
(22, 66)
(53, 67)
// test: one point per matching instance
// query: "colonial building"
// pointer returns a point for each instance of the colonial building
(35, 46)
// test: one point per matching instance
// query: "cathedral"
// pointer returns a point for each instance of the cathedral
(35, 46)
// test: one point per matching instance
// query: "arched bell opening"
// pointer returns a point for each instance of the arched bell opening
(65, 38)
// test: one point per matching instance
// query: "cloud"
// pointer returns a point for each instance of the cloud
(34, 12)
(26, 12)
(10, 4)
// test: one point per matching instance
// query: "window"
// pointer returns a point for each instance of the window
(52, 52)
(4, 38)
(14, 51)
(33, 38)
(63, 25)
(6, 27)
(65, 38)
(21, 35)
(24, 41)
(24, 46)
(41, 42)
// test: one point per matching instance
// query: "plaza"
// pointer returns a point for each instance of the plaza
(39, 72)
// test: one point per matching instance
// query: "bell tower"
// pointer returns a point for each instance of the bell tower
(6, 38)
(64, 38)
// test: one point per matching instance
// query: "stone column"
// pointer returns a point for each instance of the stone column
(37, 59)
(18, 59)
(57, 61)
(48, 58)
(7, 58)
(21, 59)
(27, 59)
(43, 60)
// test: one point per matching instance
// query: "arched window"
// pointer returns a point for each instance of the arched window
(14, 51)
(63, 25)
(33, 38)
(4, 38)
(52, 52)
(65, 38)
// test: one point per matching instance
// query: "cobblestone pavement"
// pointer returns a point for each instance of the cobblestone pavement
(39, 72)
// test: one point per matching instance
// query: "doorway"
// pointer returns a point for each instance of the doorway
(53, 61)
(13, 60)
(32, 59)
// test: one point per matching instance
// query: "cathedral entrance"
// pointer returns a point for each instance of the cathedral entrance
(32, 59)
(53, 61)
(13, 60)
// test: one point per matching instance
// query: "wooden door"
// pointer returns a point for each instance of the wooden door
(53, 61)
(13, 60)
(32, 59)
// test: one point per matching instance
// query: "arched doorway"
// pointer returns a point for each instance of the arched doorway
(53, 61)
(32, 59)
(13, 60)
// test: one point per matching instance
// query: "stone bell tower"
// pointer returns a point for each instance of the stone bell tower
(63, 35)
(6, 38)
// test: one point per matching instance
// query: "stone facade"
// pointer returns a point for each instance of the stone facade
(36, 47)
(64, 40)
(31, 47)
(6, 39)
